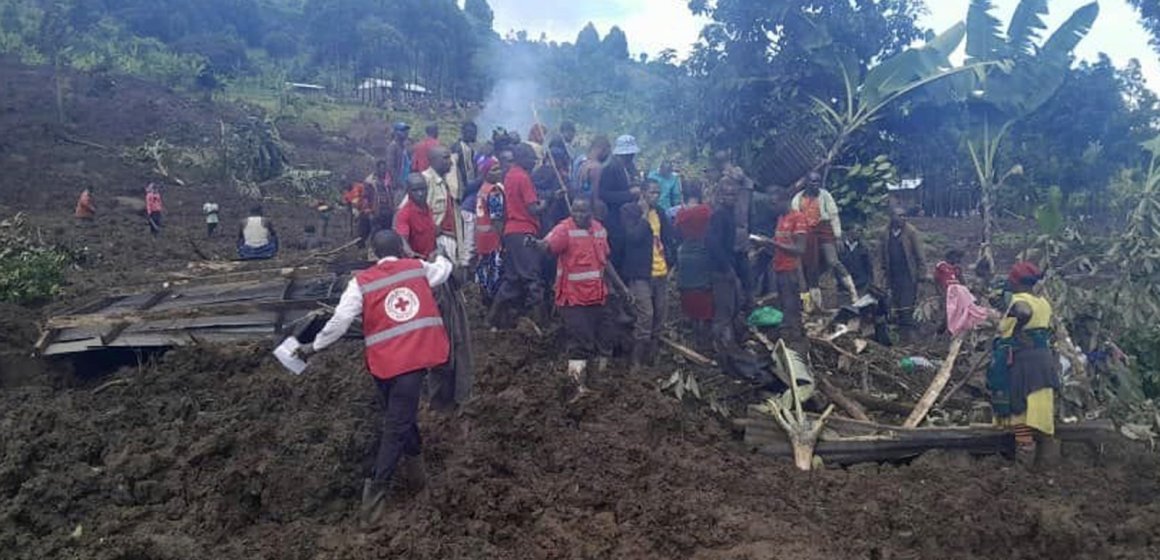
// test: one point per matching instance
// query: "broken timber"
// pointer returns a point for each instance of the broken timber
(251, 305)
(846, 442)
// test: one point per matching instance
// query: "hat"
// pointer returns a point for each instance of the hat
(1024, 273)
(625, 146)
(401, 127)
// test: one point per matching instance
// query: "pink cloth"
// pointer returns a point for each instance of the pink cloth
(963, 314)
(153, 202)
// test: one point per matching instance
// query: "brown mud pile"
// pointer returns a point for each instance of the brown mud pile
(216, 453)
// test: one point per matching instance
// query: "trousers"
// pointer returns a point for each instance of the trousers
(400, 435)
(584, 328)
(650, 306)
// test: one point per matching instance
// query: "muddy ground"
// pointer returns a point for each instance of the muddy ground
(215, 452)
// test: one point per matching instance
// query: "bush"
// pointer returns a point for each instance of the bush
(30, 275)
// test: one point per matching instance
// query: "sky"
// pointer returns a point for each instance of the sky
(654, 25)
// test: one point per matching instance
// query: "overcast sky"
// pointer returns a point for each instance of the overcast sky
(654, 25)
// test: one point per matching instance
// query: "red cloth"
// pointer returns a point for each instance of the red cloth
(693, 221)
(153, 203)
(789, 226)
(85, 207)
(354, 198)
(519, 196)
(420, 157)
(402, 326)
(487, 238)
(1024, 273)
(946, 274)
(417, 227)
(697, 304)
(582, 255)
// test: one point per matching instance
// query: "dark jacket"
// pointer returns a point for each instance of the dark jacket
(638, 248)
(615, 182)
(911, 247)
(721, 240)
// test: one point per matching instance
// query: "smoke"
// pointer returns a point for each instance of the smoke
(517, 88)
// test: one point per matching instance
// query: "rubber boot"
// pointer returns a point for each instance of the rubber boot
(650, 353)
(576, 370)
(816, 298)
(374, 502)
(848, 282)
(807, 303)
(1048, 451)
(639, 349)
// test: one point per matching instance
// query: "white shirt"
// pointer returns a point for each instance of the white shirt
(829, 209)
(255, 233)
(210, 210)
(350, 305)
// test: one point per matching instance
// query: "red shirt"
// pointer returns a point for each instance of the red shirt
(693, 221)
(487, 239)
(788, 226)
(519, 196)
(420, 157)
(583, 254)
(417, 227)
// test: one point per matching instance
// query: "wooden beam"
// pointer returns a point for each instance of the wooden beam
(839, 398)
(936, 385)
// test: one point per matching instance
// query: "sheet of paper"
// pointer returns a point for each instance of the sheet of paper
(285, 354)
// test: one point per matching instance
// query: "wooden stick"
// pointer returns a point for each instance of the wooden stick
(552, 160)
(936, 385)
(883, 405)
(111, 384)
(687, 352)
(849, 405)
(870, 367)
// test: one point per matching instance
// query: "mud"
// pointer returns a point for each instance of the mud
(214, 452)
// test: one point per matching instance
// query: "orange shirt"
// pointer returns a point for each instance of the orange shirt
(811, 207)
(789, 226)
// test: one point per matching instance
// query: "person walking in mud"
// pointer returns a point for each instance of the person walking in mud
(154, 208)
(583, 273)
(822, 217)
(404, 337)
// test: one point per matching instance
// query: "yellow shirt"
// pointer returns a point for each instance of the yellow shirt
(1040, 314)
(659, 266)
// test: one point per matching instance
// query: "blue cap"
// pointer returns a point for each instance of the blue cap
(402, 127)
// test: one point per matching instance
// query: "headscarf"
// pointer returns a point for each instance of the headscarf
(487, 165)
(1024, 273)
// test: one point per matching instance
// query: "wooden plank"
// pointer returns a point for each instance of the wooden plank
(72, 347)
(852, 452)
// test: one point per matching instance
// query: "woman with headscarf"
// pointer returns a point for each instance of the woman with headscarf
(1023, 376)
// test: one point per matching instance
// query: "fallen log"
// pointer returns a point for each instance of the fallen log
(687, 352)
(882, 405)
(936, 385)
(870, 367)
(850, 406)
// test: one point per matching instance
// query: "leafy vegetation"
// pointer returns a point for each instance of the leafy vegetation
(30, 273)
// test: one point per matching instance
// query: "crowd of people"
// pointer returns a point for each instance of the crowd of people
(548, 231)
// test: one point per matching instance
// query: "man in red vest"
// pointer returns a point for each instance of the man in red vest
(404, 337)
(582, 268)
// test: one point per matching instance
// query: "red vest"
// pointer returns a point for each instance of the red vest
(402, 326)
(487, 237)
(580, 268)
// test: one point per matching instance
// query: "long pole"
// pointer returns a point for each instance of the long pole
(552, 160)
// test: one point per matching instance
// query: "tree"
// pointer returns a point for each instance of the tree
(480, 13)
(588, 40)
(615, 44)
(1150, 19)
(1019, 78)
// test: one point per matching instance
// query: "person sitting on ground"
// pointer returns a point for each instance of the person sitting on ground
(405, 337)
(257, 239)
(210, 209)
(85, 209)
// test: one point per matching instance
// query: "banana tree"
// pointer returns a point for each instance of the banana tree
(885, 83)
(1017, 77)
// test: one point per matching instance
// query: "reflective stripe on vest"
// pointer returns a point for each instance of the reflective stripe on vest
(584, 233)
(582, 276)
(394, 332)
(384, 283)
(483, 229)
